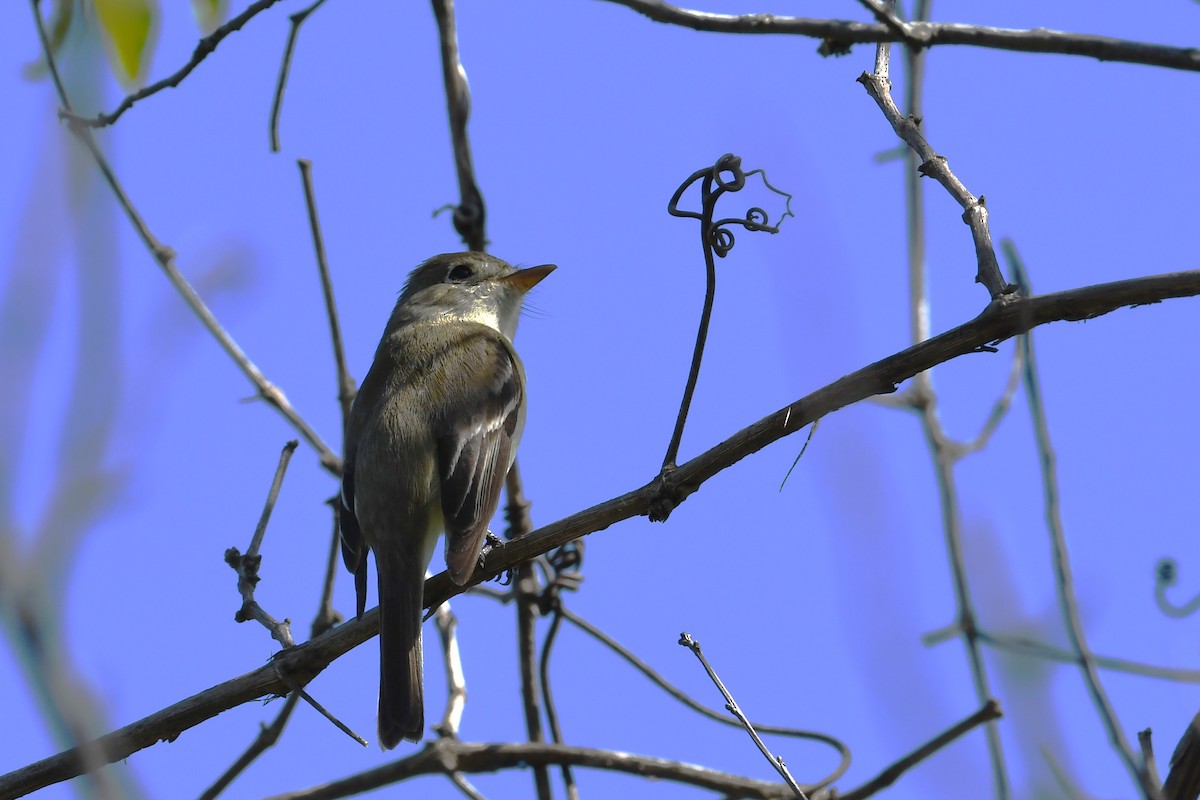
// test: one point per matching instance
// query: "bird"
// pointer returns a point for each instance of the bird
(430, 438)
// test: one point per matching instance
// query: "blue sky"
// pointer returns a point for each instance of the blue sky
(810, 601)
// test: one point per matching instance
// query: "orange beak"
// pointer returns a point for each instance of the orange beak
(526, 279)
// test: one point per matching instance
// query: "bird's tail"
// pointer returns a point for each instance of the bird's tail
(401, 698)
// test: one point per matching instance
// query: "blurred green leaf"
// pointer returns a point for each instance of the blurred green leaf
(129, 27)
(60, 23)
(210, 14)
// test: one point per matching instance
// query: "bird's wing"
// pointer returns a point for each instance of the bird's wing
(476, 442)
(354, 546)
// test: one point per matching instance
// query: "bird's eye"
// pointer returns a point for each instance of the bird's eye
(460, 273)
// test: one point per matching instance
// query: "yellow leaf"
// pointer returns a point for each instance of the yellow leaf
(210, 14)
(129, 27)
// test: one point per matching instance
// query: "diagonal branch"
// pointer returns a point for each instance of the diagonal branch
(203, 48)
(347, 387)
(165, 257)
(975, 212)
(1001, 320)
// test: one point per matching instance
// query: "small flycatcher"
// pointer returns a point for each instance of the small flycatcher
(432, 433)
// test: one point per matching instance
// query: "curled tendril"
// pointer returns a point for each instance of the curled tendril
(1165, 574)
(715, 184)
(729, 163)
(726, 175)
(721, 240)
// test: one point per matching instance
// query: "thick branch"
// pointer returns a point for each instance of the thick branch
(839, 34)
(1001, 320)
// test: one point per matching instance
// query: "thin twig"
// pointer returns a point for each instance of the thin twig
(1000, 321)
(1029, 647)
(48, 54)
(975, 214)
(268, 735)
(246, 566)
(469, 214)
(1064, 581)
(1146, 744)
(297, 688)
(165, 257)
(260, 530)
(1066, 784)
(456, 680)
(840, 747)
(203, 48)
(346, 385)
(989, 712)
(999, 410)
(686, 640)
(556, 736)
(328, 616)
(838, 35)
(439, 755)
(526, 591)
(285, 68)
(885, 14)
(464, 786)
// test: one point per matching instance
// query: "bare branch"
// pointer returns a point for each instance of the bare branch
(246, 566)
(327, 616)
(838, 35)
(525, 590)
(886, 15)
(297, 689)
(1021, 645)
(444, 755)
(165, 257)
(347, 388)
(1001, 320)
(1146, 745)
(456, 681)
(1064, 580)
(842, 750)
(989, 712)
(268, 735)
(469, 214)
(203, 48)
(464, 786)
(686, 640)
(556, 736)
(999, 409)
(922, 394)
(285, 68)
(935, 166)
